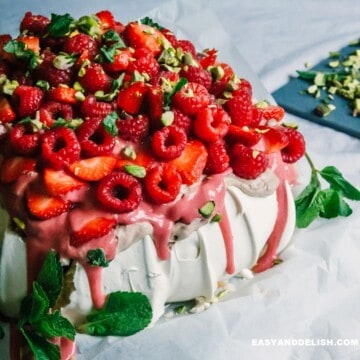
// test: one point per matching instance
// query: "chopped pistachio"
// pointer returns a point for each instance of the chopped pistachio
(135, 170)
(217, 72)
(129, 152)
(9, 86)
(320, 79)
(262, 104)
(19, 223)
(334, 64)
(356, 111)
(216, 218)
(79, 96)
(181, 309)
(43, 84)
(167, 118)
(63, 61)
(207, 209)
(324, 109)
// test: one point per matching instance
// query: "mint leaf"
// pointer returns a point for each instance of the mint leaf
(35, 305)
(306, 204)
(17, 48)
(96, 257)
(336, 180)
(333, 204)
(51, 277)
(41, 348)
(150, 22)
(55, 325)
(109, 123)
(60, 25)
(169, 95)
(123, 314)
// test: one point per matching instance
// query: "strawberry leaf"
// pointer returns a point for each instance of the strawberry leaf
(123, 314)
(336, 180)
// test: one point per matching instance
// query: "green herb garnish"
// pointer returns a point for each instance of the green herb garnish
(109, 123)
(169, 95)
(60, 25)
(150, 22)
(96, 257)
(18, 49)
(123, 314)
(328, 203)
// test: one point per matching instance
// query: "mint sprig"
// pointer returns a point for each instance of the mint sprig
(314, 201)
(60, 25)
(123, 314)
(18, 49)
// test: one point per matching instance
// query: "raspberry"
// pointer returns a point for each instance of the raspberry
(190, 98)
(169, 142)
(95, 79)
(296, 147)
(133, 128)
(60, 147)
(162, 183)
(90, 107)
(119, 192)
(181, 121)
(29, 99)
(240, 107)
(218, 158)
(211, 123)
(35, 24)
(48, 72)
(144, 63)
(52, 110)
(23, 140)
(187, 47)
(197, 74)
(94, 139)
(246, 162)
(81, 44)
(170, 36)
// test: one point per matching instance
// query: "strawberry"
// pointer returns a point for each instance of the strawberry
(29, 99)
(144, 63)
(191, 163)
(4, 39)
(31, 42)
(107, 20)
(154, 101)
(295, 148)
(59, 182)
(208, 58)
(246, 135)
(272, 112)
(274, 138)
(162, 183)
(142, 158)
(94, 168)
(63, 94)
(15, 166)
(95, 79)
(43, 206)
(122, 59)
(246, 162)
(93, 229)
(131, 98)
(7, 113)
(34, 24)
(139, 35)
(119, 192)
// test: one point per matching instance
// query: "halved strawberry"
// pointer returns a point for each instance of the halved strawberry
(59, 182)
(244, 134)
(121, 61)
(107, 20)
(142, 158)
(7, 113)
(191, 163)
(272, 112)
(63, 94)
(16, 166)
(131, 98)
(140, 35)
(208, 58)
(275, 139)
(44, 206)
(31, 42)
(95, 228)
(94, 168)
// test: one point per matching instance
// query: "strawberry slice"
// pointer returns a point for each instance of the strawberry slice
(16, 166)
(94, 168)
(93, 229)
(191, 163)
(272, 112)
(275, 139)
(131, 98)
(63, 94)
(107, 20)
(142, 158)
(44, 206)
(58, 182)
(122, 59)
(144, 36)
(7, 113)
(244, 134)
(31, 43)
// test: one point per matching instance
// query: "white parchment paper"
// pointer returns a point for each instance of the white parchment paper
(312, 298)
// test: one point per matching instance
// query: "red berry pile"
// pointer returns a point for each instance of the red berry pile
(129, 111)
